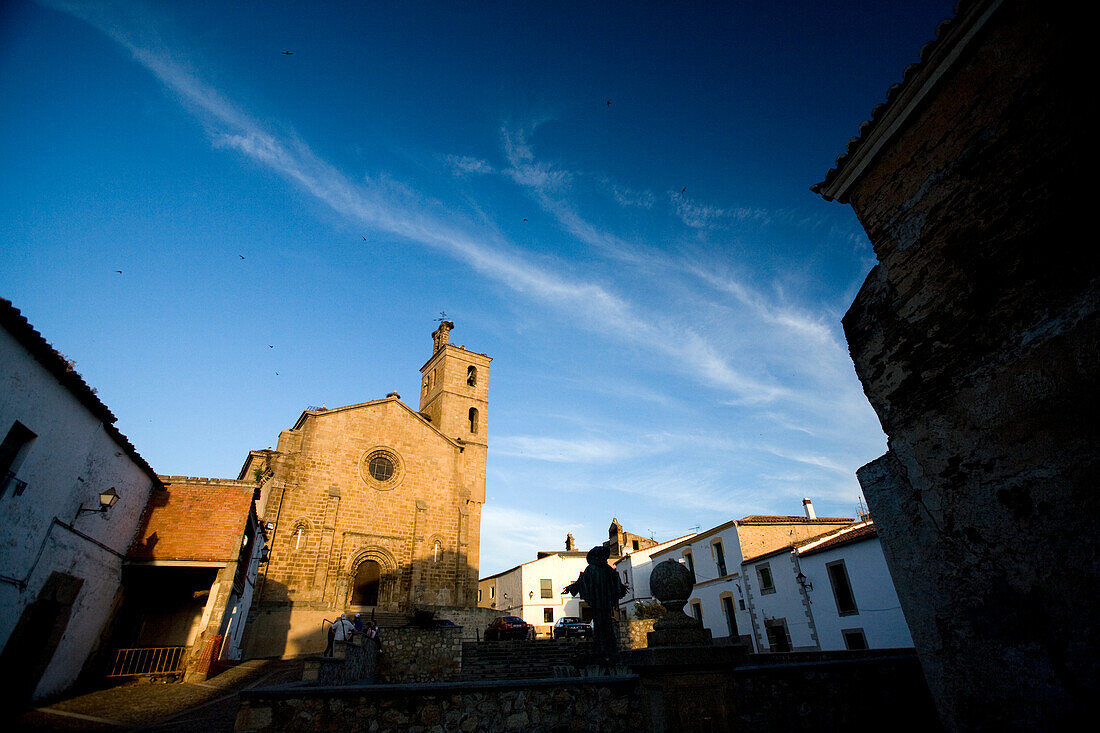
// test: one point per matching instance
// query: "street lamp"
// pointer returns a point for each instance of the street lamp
(107, 499)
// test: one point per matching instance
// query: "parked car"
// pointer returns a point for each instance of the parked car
(571, 627)
(508, 627)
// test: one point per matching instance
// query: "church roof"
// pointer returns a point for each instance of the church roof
(197, 520)
(325, 411)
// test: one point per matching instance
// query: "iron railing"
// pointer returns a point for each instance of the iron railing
(148, 661)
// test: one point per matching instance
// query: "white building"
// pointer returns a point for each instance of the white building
(534, 590)
(828, 593)
(852, 594)
(720, 597)
(634, 569)
(61, 557)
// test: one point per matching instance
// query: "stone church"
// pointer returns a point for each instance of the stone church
(373, 508)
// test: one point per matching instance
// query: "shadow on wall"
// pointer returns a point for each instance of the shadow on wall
(291, 620)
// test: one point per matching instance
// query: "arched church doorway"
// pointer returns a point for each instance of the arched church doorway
(366, 583)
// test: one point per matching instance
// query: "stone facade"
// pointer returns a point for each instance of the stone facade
(375, 507)
(977, 340)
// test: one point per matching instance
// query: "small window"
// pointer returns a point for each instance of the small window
(299, 536)
(380, 468)
(437, 551)
(697, 611)
(690, 563)
(471, 376)
(842, 589)
(548, 615)
(473, 420)
(854, 639)
(12, 450)
(634, 543)
(741, 603)
(479, 595)
(764, 573)
(719, 558)
(492, 591)
(546, 586)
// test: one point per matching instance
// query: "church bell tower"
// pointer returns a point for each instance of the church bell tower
(454, 390)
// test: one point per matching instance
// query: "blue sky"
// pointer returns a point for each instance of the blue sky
(659, 289)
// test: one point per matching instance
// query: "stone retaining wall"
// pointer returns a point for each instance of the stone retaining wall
(609, 705)
(633, 633)
(411, 654)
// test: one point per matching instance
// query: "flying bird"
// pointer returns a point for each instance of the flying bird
(119, 271)
(525, 218)
(288, 53)
(364, 239)
(684, 189)
(270, 346)
(609, 103)
(241, 256)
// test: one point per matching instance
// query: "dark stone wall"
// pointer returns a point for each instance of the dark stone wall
(976, 339)
(684, 689)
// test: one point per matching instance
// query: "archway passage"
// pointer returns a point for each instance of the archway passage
(367, 579)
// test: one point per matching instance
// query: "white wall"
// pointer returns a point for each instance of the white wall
(879, 611)
(634, 570)
(786, 602)
(70, 461)
(710, 585)
(561, 571)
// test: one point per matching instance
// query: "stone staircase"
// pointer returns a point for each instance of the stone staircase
(386, 618)
(514, 659)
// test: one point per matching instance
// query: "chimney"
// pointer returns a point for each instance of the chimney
(570, 543)
(809, 507)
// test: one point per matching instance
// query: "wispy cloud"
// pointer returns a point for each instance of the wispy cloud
(592, 304)
(560, 450)
(464, 164)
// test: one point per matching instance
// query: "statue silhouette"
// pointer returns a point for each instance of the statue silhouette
(599, 586)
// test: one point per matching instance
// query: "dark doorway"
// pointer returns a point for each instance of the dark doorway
(367, 579)
(778, 639)
(35, 638)
(731, 618)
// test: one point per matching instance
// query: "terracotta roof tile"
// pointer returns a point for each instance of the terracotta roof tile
(844, 537)
(779, 519)
(193, 521)
(928, 56)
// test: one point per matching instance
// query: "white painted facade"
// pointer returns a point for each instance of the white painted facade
(634, 570)
(74, 455)
(783, 605)
(519, 591)
(814, 615)
(878, 615)
(716, 593)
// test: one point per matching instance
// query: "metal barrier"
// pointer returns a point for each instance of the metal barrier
(148, 661)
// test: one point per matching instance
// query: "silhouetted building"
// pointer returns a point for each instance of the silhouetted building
(976, 339)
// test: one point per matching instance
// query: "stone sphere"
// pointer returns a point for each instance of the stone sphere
(671, 581)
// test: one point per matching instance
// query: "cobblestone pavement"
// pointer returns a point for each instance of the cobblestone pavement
(159, 707)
